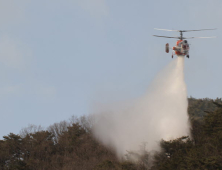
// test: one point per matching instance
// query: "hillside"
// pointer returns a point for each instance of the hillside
(69, 145)
(198, 108)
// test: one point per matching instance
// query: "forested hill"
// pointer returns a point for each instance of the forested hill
(198, 108)
(69, 145)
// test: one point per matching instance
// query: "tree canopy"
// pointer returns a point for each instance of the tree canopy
(70, 145)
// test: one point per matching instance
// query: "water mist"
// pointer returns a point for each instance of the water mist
(160, 114)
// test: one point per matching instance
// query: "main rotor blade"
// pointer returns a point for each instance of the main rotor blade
(198, 37)
(166, 30)
(184, 30)
(198, 30)
(165, 36)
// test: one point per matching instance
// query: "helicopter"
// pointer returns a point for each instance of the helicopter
(182, 47)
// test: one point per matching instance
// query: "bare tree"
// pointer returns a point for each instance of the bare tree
(58, 128)
(30, 129)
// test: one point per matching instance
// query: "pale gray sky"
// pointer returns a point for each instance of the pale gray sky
(59, 58)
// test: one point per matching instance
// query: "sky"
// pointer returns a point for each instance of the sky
(61, 58)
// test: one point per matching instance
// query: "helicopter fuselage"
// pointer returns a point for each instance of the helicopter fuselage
(181, 48)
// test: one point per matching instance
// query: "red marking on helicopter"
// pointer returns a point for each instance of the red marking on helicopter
(182, 47)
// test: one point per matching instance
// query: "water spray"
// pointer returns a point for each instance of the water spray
(160, 114)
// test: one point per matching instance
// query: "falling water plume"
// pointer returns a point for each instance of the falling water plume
(160, 114)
